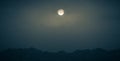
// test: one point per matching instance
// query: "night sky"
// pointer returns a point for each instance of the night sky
(86, 24)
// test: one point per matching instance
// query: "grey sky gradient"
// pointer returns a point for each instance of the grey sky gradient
(35, 23)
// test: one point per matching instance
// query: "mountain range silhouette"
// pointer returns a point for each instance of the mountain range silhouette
(33, 54)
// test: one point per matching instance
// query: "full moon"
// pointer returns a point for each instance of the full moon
(60, 12)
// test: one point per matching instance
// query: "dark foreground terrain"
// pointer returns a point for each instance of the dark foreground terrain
(32, 54)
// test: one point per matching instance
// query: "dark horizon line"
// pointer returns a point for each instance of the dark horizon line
(37, 49)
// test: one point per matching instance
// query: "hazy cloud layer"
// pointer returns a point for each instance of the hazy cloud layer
(86, 24)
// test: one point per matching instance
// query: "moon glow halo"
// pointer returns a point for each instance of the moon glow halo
(61, 12)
